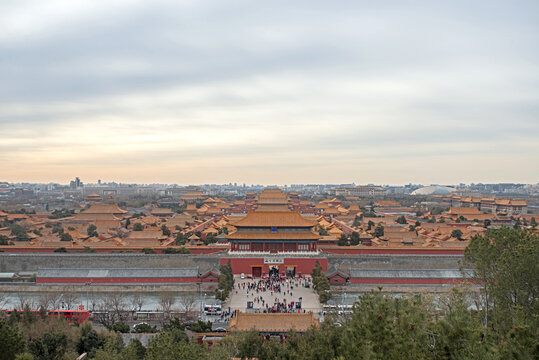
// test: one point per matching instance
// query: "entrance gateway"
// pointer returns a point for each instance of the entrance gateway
(260, 266)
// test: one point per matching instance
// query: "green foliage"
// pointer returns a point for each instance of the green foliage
(144, 328)
(249, 345)
(357, 221)
(66, 237)
(200, 326)
(148, 251)
(354, 238)
(401, 220)
(165, 230)
(321, 283)
(52, 346)
(4, 240)
(24, 356)
(370, 224)
(11, 341)
(210, 239)
(57, 229)
(322, 232)
(88, 249)
(226, 281)
(181, 239)
(378, 231)
(60, 214)
(138, 227)
(167, 347)
(89, 340)
(506, 266)
(120, 327)
(19, 232)
(457, 234)
(343, 241)
(92, 230)
(180, 250)
(60, 250)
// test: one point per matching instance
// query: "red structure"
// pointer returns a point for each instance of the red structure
(274, 232)
(260, 266)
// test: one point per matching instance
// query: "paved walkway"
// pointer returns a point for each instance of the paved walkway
(291, 290)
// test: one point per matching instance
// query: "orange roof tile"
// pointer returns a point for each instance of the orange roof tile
(277, 219)
(272, 322)
(268, 235)
(104, 209)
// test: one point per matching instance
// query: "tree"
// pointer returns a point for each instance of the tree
(343, 241)
(165, 230)
(321, 283)
(66, 237)
(52, 346)
(180, 238)
(457, 234)
(4, 240)
(188, 302)
(370, 224)
(144, 328)
(401, 220)
(506, 266)
(11, 341)
(89, 340)
(357, 221)
(210, 239)
(166, 301)
(138, 227)
(486, 223)
(92, 230)
(354, 238)
(137, 301)
(249, 344)
(226, 281)
(120, 327)
(19, 232)
(378, 231)
(169, 346)
(60, 250)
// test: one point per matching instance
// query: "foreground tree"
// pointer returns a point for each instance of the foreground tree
(506, 266)
(11, 341)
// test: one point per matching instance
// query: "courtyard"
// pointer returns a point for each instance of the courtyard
(291, 290)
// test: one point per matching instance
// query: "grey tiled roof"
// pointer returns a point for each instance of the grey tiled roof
(409, 273)
(117, 273)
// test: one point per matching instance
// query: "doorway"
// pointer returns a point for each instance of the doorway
(291, 271)
(273, 271)
(257, 271)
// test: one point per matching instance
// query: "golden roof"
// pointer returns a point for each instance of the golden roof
(272, 322)
(274, 218)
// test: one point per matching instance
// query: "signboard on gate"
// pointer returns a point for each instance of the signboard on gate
(268, 261)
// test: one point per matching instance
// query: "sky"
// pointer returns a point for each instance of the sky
(269, 92)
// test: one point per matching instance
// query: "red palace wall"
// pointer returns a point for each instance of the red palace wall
(303, 265)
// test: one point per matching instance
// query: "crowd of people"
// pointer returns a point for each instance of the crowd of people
(273, 294)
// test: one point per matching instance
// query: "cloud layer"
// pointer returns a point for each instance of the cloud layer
(269, 92)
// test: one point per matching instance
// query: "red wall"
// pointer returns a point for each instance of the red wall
(303, 265)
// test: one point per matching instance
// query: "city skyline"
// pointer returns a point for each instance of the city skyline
(204, 92)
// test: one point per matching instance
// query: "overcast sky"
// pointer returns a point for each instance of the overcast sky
(269, 92)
